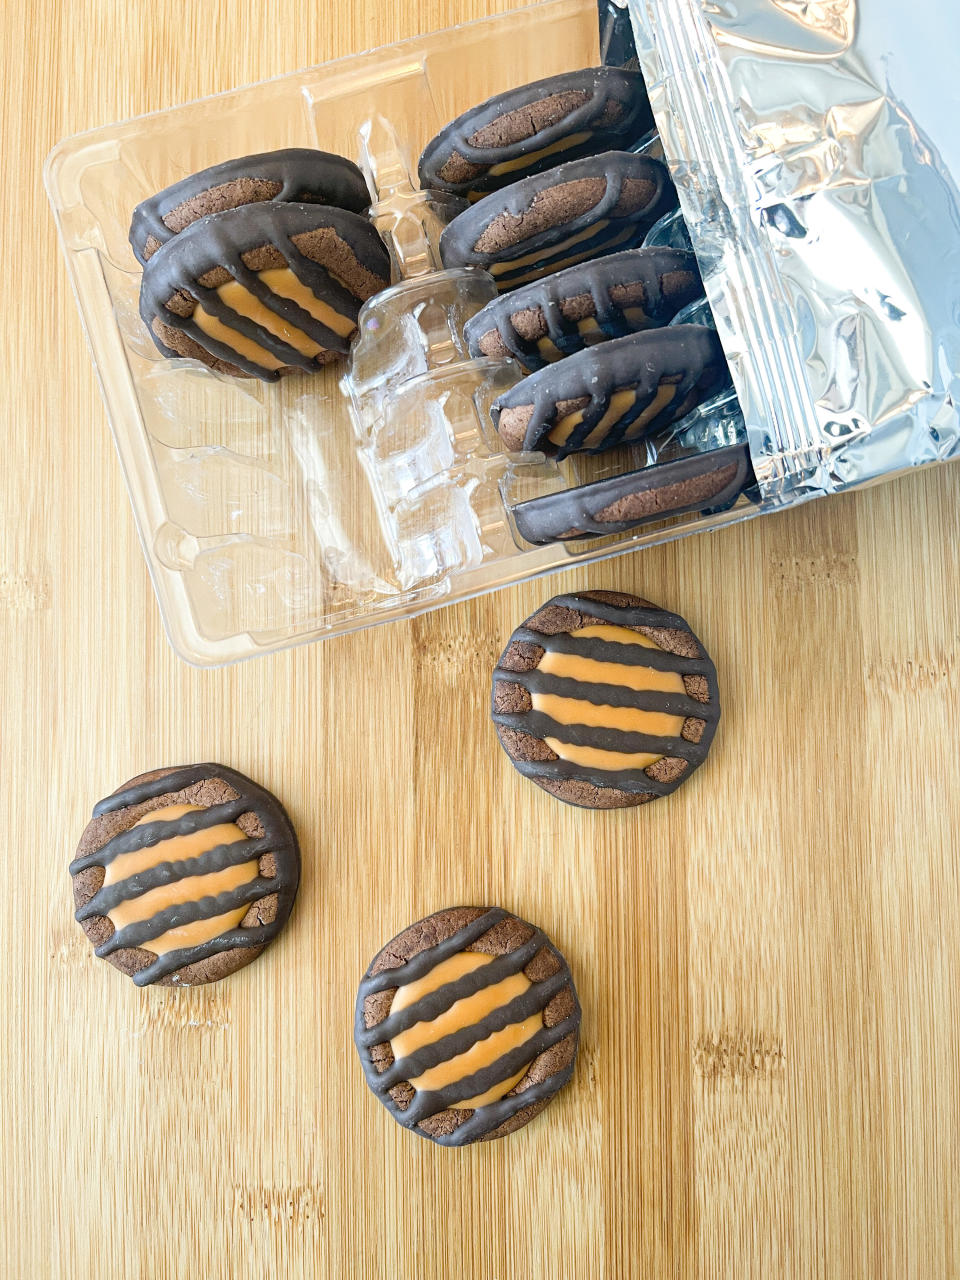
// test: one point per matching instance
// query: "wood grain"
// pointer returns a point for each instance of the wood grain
(769, 1082)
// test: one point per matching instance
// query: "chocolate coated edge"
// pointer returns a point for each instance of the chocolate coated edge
(336, 179)
(552, 517)
(601, 83)
(460, 235)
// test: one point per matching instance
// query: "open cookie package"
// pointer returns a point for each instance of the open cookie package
(816, 167)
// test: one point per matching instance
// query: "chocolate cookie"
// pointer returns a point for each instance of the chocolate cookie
(467, 1024)
(184, 875)
(604, 700)
(264, 289)
(585, 209)
(700, 482)
(534, 127)
(542, 322)
(614, 393)
(306, 176)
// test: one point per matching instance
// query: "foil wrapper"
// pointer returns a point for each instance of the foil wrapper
(815, 148)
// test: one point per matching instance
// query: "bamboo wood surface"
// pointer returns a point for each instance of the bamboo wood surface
(769, 1081)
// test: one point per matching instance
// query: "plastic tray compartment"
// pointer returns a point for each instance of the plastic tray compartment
(272, 515)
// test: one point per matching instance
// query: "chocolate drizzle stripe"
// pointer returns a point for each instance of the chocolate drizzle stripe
(607, 695)
(137, 932)
(542, 726)
(436, 1002)
(620, 616)
(170, 961)
(687, 359)
(620, 652)
(582, 249)
(486, 1119)
(646, 267)
(424, 961)
(534, 1000)
(427, 1102)
(166, 784)
(150, 833)
(634, 781)
(218, 858)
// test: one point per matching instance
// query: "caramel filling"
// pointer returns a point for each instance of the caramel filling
(282, 281)
(498, 268)
(462, 1014)
(521, 162)
(238, 342)
(596, 758)
(189, 889)
(565, 427)
(588, 326)
(620, 403)
(598, 715)
(549, 349)
(665, 393)
(559, 266)
(567, 710)
(241, 300)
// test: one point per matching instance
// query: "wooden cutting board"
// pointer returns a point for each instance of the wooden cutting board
(769, 1083)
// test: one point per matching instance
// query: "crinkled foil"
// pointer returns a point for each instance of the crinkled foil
(816, 147)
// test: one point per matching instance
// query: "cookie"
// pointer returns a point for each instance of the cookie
(614, 393)
(605, 700)
(552, 220)
(561, 314)
(306, 176)
(535, 127)
(467, 1024)
(184, 875)
(700, 482)
(263, 290)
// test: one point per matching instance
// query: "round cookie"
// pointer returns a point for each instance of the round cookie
(534, 127)
(296, 173)
(263, 290)
(184, 875)
(710, 481)
(553, 220)
(604, 700)
(614, 393)
(467, 1024)
(606, 298)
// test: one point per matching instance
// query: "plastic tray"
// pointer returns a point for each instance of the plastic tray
(273, 515)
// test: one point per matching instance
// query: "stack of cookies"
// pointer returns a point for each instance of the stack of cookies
(258, 267)
(583, 308)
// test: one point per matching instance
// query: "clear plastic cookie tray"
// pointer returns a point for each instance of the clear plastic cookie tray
(274, 514)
